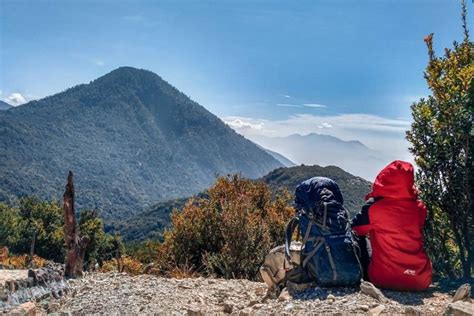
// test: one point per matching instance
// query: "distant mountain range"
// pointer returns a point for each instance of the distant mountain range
(4, 105)
(150, 223)
(131, 140)
(282, 159)
(325, 150)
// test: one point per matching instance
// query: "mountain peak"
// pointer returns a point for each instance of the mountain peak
(128, 130)
(128, 70)
(127, 74)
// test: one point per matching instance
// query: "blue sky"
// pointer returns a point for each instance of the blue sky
(257, 62)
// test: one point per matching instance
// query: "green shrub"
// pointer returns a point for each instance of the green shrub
(228, 232)
(442, 139)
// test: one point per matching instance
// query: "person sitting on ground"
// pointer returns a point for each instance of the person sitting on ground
(393, 219)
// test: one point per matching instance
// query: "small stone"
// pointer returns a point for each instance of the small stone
(260, 291)
(331, 298)
(297, 287)
(252, 303)
(289, 306)
(412, 311)
(363, 307)
(463, 293)
(370, 289)
(245, 312)
(459, 308)
(377, 310)
(284, 295)
(227, 308)
(257, 306)
(191, 312)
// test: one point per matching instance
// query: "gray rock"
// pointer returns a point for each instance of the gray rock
(463, 293)
(331, 298)
(459, 308)
(412, 311)
(284, 295)
(295, 288)
(370, 289)
(363, 307)
(227, 308)
(377, 310)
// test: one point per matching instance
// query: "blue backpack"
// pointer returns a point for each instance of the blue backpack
(328, 256)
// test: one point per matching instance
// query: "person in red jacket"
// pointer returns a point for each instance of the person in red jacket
(393, 220)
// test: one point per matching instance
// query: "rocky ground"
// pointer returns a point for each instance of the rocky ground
(116, 293)
(6, 275)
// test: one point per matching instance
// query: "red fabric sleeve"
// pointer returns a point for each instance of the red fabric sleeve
(361, 230)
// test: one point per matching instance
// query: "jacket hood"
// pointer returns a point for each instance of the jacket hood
(310, 192)
(395, 181)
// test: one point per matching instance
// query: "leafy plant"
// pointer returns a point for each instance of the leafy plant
(442, 142)
(228, 232)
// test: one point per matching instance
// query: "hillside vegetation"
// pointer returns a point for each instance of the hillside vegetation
(130, 137)
(151, 223)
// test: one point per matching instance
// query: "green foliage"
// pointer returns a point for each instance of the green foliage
(101, 246)
(148, 224)
(9, 225)
(33, 218)
(146, 251)
(229, 231)
(131, 139)
(442, 143)
(45, 221)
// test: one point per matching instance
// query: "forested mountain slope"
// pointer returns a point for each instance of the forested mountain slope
(131, 140)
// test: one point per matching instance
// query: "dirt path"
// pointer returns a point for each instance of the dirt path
(114, 293)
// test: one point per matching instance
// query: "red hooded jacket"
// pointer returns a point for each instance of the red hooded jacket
(393, 218)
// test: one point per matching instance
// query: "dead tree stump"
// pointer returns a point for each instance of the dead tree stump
(75, 245)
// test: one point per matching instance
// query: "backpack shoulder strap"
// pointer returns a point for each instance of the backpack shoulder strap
(290, 228)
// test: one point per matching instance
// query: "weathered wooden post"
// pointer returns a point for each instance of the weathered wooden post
(32, 246)
(75, 245)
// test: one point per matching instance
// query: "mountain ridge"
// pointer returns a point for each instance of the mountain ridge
(4, 105)
(151, 222)
(326, 150)
(131, 139)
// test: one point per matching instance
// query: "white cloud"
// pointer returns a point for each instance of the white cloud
(383, 134)
(325, 125)
(308, 123)
(239, 124)
(288, 105)
(309, 105)
(15, 99)
(315, 105)
(287, 96)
